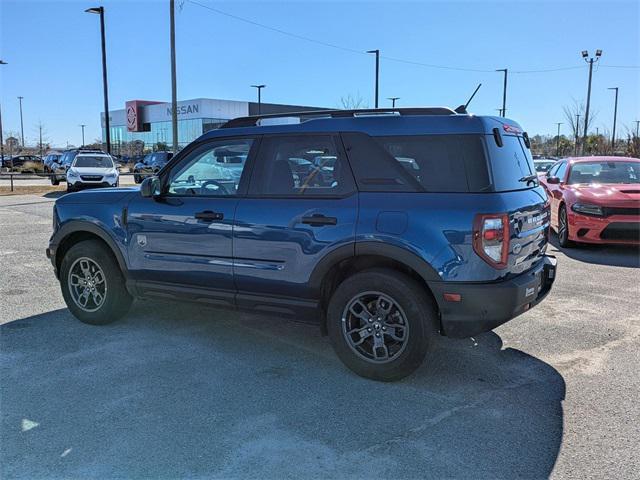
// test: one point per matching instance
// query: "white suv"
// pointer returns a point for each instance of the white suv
(92, 170)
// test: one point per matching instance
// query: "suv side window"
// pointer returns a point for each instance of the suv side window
(206, 171)
(301, 166)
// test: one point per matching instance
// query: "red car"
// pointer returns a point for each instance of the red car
(595, 200)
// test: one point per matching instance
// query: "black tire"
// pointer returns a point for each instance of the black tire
(55, 181)
(117, 299)
(413, 302)
(70, 189)
(136, 178)
(563, 228)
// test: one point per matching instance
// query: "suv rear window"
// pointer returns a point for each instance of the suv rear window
(419, 163)
(510, 163)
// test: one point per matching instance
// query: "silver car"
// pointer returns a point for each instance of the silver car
(92, 170)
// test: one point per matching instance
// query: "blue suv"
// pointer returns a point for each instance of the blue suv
(387, 227)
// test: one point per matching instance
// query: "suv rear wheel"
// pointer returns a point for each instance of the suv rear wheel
(381, 324)
(92, 284)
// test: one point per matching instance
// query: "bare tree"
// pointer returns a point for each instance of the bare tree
(574, 115)
(351, 102)
(570, 114)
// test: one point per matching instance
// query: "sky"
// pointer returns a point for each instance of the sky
(53, 53)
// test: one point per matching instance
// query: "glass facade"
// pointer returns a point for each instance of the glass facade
(160, 133)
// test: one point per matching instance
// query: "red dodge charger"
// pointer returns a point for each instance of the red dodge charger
(595, 200)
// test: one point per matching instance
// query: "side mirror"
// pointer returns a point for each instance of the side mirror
(150, 187)
(554, 180)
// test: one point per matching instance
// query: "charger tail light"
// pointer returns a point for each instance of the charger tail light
(491, 238)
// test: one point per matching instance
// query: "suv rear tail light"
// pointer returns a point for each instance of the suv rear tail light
(491, 238)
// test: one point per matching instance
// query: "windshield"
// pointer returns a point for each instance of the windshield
(101, 161)
(543, 166)
(605, 172)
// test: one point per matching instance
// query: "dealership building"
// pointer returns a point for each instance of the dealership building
(150, 122)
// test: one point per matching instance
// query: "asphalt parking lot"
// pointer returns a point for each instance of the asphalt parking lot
(180, 391)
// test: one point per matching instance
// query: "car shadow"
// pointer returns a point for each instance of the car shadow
(611, 255)
(55, 194)
(175, 390)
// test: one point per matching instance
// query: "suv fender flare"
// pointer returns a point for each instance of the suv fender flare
(77, 226)
(356, 249)
(401, 255)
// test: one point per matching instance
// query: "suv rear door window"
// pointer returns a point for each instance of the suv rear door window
(301, 165)
(419, 163)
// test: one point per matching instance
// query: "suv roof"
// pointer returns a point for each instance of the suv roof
(375, 122)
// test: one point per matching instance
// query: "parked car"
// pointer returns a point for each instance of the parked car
(92, 170)
(49, 160)
(382, 256)
(60, 167)
(150, 165)
(595, 200)
(543, 165)
(20, 160)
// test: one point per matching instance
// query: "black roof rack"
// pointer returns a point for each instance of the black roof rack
(252, 120)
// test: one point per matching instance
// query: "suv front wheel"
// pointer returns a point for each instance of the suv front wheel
(381, 324)
(92, 284)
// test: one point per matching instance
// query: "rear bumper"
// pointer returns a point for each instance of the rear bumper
(485, 306)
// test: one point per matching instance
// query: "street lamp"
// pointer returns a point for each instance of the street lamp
(100, 11)
(21, 124)
(504, 91)
(2, 62)
(82, 126)
(615, 115)
(590, 61)
(259, 88)
(393, 101)
(558, 140)
(174, 91)
(575, 151)
(377, 53)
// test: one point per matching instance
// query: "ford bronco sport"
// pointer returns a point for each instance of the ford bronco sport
(402, 224)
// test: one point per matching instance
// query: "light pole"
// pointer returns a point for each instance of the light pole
(615, 116)
(575, 152)
(637, 125)
(259, 88)
(393, 101)
(558, 140)
(100, 11)
(21, 124)
(377, 52)
(504, 91)
(174, 91)
(2, 62)
(82, 126)
(590, 61)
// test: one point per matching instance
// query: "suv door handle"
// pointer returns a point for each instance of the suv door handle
(209, 216)
(317, 220)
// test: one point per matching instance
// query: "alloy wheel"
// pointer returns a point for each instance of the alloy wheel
(375, 327)
(87, 284)
(562, 226)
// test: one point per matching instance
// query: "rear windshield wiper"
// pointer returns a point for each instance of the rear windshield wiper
(529, 178)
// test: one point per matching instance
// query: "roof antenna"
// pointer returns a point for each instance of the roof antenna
(463, 108)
